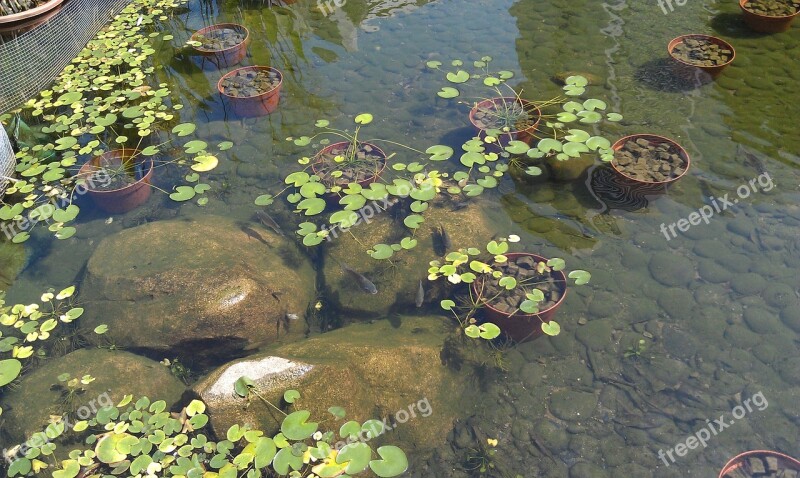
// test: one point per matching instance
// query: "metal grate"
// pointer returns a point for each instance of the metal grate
(8, 161)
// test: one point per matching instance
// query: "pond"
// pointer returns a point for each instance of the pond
(681, 352)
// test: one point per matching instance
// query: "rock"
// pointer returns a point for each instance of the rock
(791, 317)
(198, 285)
(27, 408)
(572, 405)
(790, 370)
(397, 285)
(671, 270)
(748, 284)
(551, 435)
(762, 321)
(713, 272)
(779, 295)
(678, 303)
(596, 334)
(372, 370)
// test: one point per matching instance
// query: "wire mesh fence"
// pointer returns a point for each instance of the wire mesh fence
(8, 162)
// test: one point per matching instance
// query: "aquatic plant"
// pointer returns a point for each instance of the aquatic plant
(142, 438)
(472, 265)
(560, 134)
(23, 326)
(102, 101)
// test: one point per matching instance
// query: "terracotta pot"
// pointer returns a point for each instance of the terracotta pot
(690, 70)
(258, 105)
(8, 21)
(764, 23)
(653, 139)
(126, 198)
(521, 327)
(526, 135)
(228, 56)
(784, 461)
(343, 145)
(569, 170)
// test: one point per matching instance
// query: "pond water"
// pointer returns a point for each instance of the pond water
(717, 305)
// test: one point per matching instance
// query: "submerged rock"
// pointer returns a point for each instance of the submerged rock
(210, 285)
(374, 371)
(40, 395)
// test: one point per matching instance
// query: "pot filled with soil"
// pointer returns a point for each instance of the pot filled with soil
(224, 44)
(570, 169)
(691, 53)
(769, 16)
(25, 13)
(502, 307)
(761, 464)
(118, 181)
(517, 118)
(252, 90)
(338, 165)
(649, 160)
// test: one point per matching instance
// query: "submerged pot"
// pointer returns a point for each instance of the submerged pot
(689, 70)
(766, 23)
(525, 135)
(224, 57)
(521, 327)
(742, 462)
(257, 105)
(569, 170)
(123, 199)
(315, 166)
(653, 140)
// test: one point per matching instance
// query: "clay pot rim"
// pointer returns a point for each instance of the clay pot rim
(345, 144)
(85, 168)
(218, 26)
(719, 41)
(523, 315)
(255, 67)
(508, 99)
(746, 454)
(771, 17)
(32, 13)
(661, 139)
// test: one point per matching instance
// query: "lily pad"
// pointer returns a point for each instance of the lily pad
(9, 371)
(296, 427)
(205, 163)
(363, 118)
(382, 251)
(460, 76)
(551, 328)
(393, 462)
(182, 193)
(448, 92)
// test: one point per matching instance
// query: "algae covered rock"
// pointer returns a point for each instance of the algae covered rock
(40, 396)
(207, 285)
(398, 282)
(390, 373)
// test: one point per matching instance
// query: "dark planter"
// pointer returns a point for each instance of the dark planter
(126, 198)
(521, 327)
(646, 185)
(344, 145)
(229, 56)
(525, 135)
(258, 105)
(689, 70)
(740, 462)
(764, 23)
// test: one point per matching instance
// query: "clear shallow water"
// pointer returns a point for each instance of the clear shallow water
(717, 300)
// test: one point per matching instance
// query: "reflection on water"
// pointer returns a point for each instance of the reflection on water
(717, 306)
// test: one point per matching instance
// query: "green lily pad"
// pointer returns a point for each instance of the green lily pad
(312, 206)
(574, 150)
(491, 81)
(357, 457)
(393, 462)
(590, 117)
(598, 142)
(413, 221)
(581, 277)
(182, 193)
(551, 328)
(439, 152)
(195, 146)
(548, 145)
(433, 64)
(264, 200)
(225, 145)
(614, 117)
(291, 395)
(205, 163)
(353, 202)
(381, 251)
(345, 219)
(184, 129)
(363, 118)
(460, 76)
(448, 92)
(296, 427)
(447, 304)
(9, 371)
(517, 147)
(577, 136)
(67, 214)
(594, 104)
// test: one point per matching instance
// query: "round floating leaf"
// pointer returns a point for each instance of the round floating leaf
(66, 233)
(184, 129)
(66, 142)
(497, 248)
(345, 219)
(598, 142)
(101, 329)
(67, 214)
(590, 117)
(447, 304)
(302, 141)
(557, 264)
(489, 331)
(353, 202)
(505, 74)
(291, 395)
(193, 147)
(472, 190)
(283, 460)
(419, 206)
(517, 147)
(614, 117)
(106, 120)
(593, 104)
(312, 206)
(393, 462)
(574, 150)
(296, 427)
(413, 221)
(576, 80)
(408, 243)
(533, 171)
(323, 123)
(577, 136)
(581, 277)
(381, 251)
(572, 107)
(21, 237)
(363, 118)
(150, 151)
(357, 457)
(433, 64)
(205, 163)
(448, 92)
(225, 145)
(565, 117)
(297, 178)
(551, 328)
(264, 452)
(69, 98)
(549, 144)
(491, 81)
(9, 371)
(488, 182)
(508, 282)
(459, 77)
(472, 331)
(439, 152)
(264, 200)
(182, 193)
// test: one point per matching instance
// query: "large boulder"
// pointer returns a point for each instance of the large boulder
(210, 285)
(40, 395)
(373, 370)
(398, 283)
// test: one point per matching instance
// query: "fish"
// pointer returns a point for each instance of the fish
(446, 242)
(267, 221)
(420, 295)
(751, 159)
(365, 284)
(292, 316)
(255, 235)
(457, 206)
